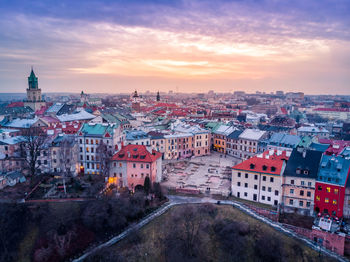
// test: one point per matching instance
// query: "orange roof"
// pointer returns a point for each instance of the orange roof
(264, 163)
(136, 153)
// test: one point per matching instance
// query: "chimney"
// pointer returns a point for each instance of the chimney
(304, 153)
(128, 154)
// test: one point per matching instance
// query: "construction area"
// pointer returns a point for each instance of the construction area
(207, 174)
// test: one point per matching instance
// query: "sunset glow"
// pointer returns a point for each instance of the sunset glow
(191, 44)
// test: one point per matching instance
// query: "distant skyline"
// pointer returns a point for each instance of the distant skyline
(187, 46)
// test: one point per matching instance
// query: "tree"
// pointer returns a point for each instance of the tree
(34, 140)
(103, 155)
(158, 192)
(147, 185)
(66, 158)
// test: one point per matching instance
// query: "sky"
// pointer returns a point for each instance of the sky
(114, 46)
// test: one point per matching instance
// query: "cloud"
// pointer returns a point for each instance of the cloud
(177, 40)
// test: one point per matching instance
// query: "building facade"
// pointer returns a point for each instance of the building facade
(132, 164)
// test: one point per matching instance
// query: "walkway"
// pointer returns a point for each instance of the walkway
(180, 200)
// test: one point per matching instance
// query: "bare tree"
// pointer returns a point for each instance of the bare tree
(103, 155)
(66, 159)
(33, 144)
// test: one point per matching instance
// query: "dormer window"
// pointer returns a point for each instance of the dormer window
(252, 166)
(298, 171)
(273, 169)
(306, 172)
(264, 167)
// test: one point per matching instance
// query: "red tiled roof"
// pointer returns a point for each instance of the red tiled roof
(15, 104)
(264, 165)
(136, 153)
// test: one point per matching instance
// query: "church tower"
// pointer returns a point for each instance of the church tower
(34, 99)
(158, 96)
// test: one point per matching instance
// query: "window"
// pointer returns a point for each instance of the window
(271, 179)
(319, 188)
(290, 201)
(309, 183)
(92, 149)
(301, 192)
(245, 184)
(81, 149)
(87, 149)
(141, 165)
(301, 203)
(302, 183)
(264, 178)
(328, 189)
(246, 175)
(318, 198)
(275, 202)
(256, 177)
(308, 204)
(245, 194)
(334, 202)
(263, 188)
(238, 183)
(308, 193)
(80, 141)
(268, 198)
(147, 165)
(269, 189)
(262, 197)
(326, 200)
(276, 192)
(336, 190)
(239, 174)
(134, 165)
(291, 191)
(255, 186)
(87, 141)
(292, 182)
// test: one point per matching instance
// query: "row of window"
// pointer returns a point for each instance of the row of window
(263, 188)
(301, 203)
(255, 197)
(301, 192)
(326, 200)
(255, 177)
(302, 183)
(90, 141)
(328, 189)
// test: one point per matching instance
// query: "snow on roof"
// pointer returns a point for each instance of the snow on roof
(252, 134)
(312, 129)
(21, 123)
(81, 115)
(224, 130)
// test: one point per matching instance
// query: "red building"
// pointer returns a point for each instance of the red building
(330, 185)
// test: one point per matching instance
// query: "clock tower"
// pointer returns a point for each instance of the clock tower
(34, 99)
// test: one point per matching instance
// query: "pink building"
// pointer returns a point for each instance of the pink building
(132, 164)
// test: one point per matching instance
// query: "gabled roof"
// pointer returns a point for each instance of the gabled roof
(284, 140)
(252, 134)
(135, 135)
(269, 162)
(334, 170)
(235, 134)
(136, 153)
(93, 129)
(81, 115)
(303, 163)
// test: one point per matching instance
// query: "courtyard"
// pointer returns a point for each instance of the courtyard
(206, 174)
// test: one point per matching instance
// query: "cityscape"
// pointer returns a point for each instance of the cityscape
(183, 131)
